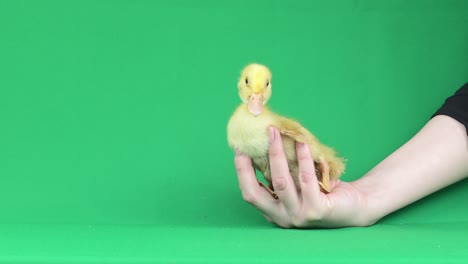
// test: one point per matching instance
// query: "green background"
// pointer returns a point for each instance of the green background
(113, 124)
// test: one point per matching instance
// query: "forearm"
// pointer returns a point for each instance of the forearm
(434, 158)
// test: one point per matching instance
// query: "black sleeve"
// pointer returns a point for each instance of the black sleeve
(456, 106)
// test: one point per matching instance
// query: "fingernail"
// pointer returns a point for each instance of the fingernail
(272, 135)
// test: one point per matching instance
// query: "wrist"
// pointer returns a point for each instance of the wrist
(369, 208)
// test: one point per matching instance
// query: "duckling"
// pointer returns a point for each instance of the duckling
(247, 132)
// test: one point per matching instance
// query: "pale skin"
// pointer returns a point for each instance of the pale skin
(436, 157)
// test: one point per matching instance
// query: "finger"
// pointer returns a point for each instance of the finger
(281, 178)
(252, 192)
(268, 218)
(281, 223)
(310, 189)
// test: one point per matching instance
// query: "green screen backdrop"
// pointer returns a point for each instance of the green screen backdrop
(113, 125)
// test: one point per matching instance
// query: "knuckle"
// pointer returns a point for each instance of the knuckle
(249, 197)
(280, 184)
(312, 216)
(239, 168)
(238, 160)
(275, 152)
(239, 163)
(306, 176)
(297, 221)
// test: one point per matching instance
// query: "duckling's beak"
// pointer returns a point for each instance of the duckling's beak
(255, 104)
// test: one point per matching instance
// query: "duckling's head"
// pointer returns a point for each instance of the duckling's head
(255, 87)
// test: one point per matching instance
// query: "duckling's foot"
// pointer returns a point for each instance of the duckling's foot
(325, 184)
(269, 190)
(324, 188)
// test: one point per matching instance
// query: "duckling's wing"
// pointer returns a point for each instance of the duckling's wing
(297, 132)
(294, 130)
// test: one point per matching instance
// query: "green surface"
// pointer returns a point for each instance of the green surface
(113, 124)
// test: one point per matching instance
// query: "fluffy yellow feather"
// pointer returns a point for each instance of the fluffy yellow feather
(247, 131)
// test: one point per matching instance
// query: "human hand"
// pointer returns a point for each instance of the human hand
(345, 205)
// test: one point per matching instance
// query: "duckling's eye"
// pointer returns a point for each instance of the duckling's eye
(268, 83)
(246, 81)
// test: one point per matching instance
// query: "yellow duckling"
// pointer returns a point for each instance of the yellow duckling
(247, 131)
